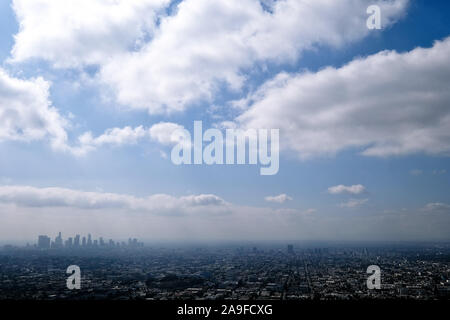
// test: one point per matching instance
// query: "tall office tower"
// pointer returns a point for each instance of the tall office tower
(89, 242)
(102, 243)
(95, 243)
(44, 242)
(83, 242)
(290, 248)
(69, 242)
(129, 242)
(76, 241)
(58, 241)
(111, 243)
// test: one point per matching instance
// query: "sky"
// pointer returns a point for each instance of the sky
(91, 92)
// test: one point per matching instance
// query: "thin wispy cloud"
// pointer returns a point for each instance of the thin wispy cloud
(353, 203)
(27, 196)
(342, 189)
(281, 198)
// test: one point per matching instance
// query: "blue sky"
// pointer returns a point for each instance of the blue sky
(95, 89)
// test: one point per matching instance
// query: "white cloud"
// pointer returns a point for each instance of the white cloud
(163, 132)
(353, 203)
(116, 136)
(26, 196)
(113, 136)
(203, 200)
(388, 104)
(204, 45)
(354, 189)
(282, 198)
(211, 43)
(27, 114)
(73, 33)
(437, 207)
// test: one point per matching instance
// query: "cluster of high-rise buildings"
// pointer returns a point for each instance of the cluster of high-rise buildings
(45, 242)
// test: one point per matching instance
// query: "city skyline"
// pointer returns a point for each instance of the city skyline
(45, 242)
